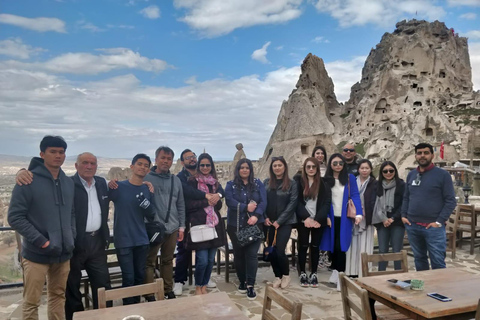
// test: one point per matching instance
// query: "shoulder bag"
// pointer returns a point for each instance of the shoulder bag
(351, 210)
(156, 230)
(270, 251)
(249, 233)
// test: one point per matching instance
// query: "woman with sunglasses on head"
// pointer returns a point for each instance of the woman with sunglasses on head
(246, 199)
(337, 239)
(204, 212)
(314, 203)
(387, 212)
(320, 154)
(362, 237)
(280, 216)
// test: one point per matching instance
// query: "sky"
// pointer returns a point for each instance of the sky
(120, 77)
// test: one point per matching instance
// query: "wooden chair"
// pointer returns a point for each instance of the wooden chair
(382, 311)
(351, 293)
(400, 256)
(115, 294)
(451, 230)
(477, 314)
(467, 222)
(295, 308)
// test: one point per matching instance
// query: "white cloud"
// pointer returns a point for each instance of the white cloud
(320, 39)
(120, 26)
(15, 47)
(344, 75)
(279, 48)
(379, 12)
(474, 51)
(41, 24)
(121, 116)
(261, 54)
(87, 63)
(151, 12)
(89, 26)
(214, 18)
(463, 2)
(472, 34)
(469, 16)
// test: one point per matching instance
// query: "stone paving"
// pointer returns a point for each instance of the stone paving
(322, 303)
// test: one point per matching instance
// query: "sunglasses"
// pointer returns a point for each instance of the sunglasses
(277, 158)
(348, 150)
(191, 157)
(337, 163)
(310, 167)
(205, 165)
(388, 171)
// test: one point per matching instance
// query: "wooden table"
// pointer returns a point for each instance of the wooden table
(463, 287)
(212, 306)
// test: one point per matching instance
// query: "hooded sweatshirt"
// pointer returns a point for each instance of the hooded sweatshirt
(162, 184)
(43, 211)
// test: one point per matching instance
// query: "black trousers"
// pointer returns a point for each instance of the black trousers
(279, 261)
(245, 258)
(94, 260)
(339, 258)
(314, 235)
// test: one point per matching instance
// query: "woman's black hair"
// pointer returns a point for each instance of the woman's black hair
(237, 180)
(320, 148)
(381, 178)
(343, 176)
(360, 162)
(213, 173)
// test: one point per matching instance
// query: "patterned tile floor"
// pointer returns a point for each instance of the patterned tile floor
(318, 303)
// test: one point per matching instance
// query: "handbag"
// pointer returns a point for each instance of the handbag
(248, 234)
(156, 230)
(351, 209)
(202, 232)
(270, 251)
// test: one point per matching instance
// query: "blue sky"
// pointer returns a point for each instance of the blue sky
(118, 77)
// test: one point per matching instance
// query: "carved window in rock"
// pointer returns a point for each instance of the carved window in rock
(304, 148)
(381, 106)
(442, 74)
(417, 103)
(429, 132)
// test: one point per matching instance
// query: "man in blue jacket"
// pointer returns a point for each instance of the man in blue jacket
(428, 202)
(42, 212)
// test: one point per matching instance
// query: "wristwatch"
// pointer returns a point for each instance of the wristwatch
(438, 223)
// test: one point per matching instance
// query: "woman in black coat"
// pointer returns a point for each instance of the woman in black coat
(202, 212)
(280, 217)
(313, 207)
(387, 217)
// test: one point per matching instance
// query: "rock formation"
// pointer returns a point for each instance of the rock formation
(305, 119)
(416, 86)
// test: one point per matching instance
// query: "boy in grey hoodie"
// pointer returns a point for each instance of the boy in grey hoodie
(42, 212)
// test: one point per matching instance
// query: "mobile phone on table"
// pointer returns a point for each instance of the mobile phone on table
(438, 296)
(402, 284)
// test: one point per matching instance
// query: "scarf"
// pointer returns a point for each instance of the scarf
(359, 228)
(384, 203)
(203, 181)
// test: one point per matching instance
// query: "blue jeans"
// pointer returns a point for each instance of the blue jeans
(433, 240)
(204, 260)
(393, 236)
(132, 262)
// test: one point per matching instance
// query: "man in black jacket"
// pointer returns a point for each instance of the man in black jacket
(42, 212)
(91, 215)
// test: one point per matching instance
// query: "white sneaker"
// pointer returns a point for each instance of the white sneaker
(211, 284)
(277, 283)
(333, 277)
(285, 281)
(178, 288)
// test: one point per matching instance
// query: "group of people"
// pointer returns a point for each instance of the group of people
(335, 203)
